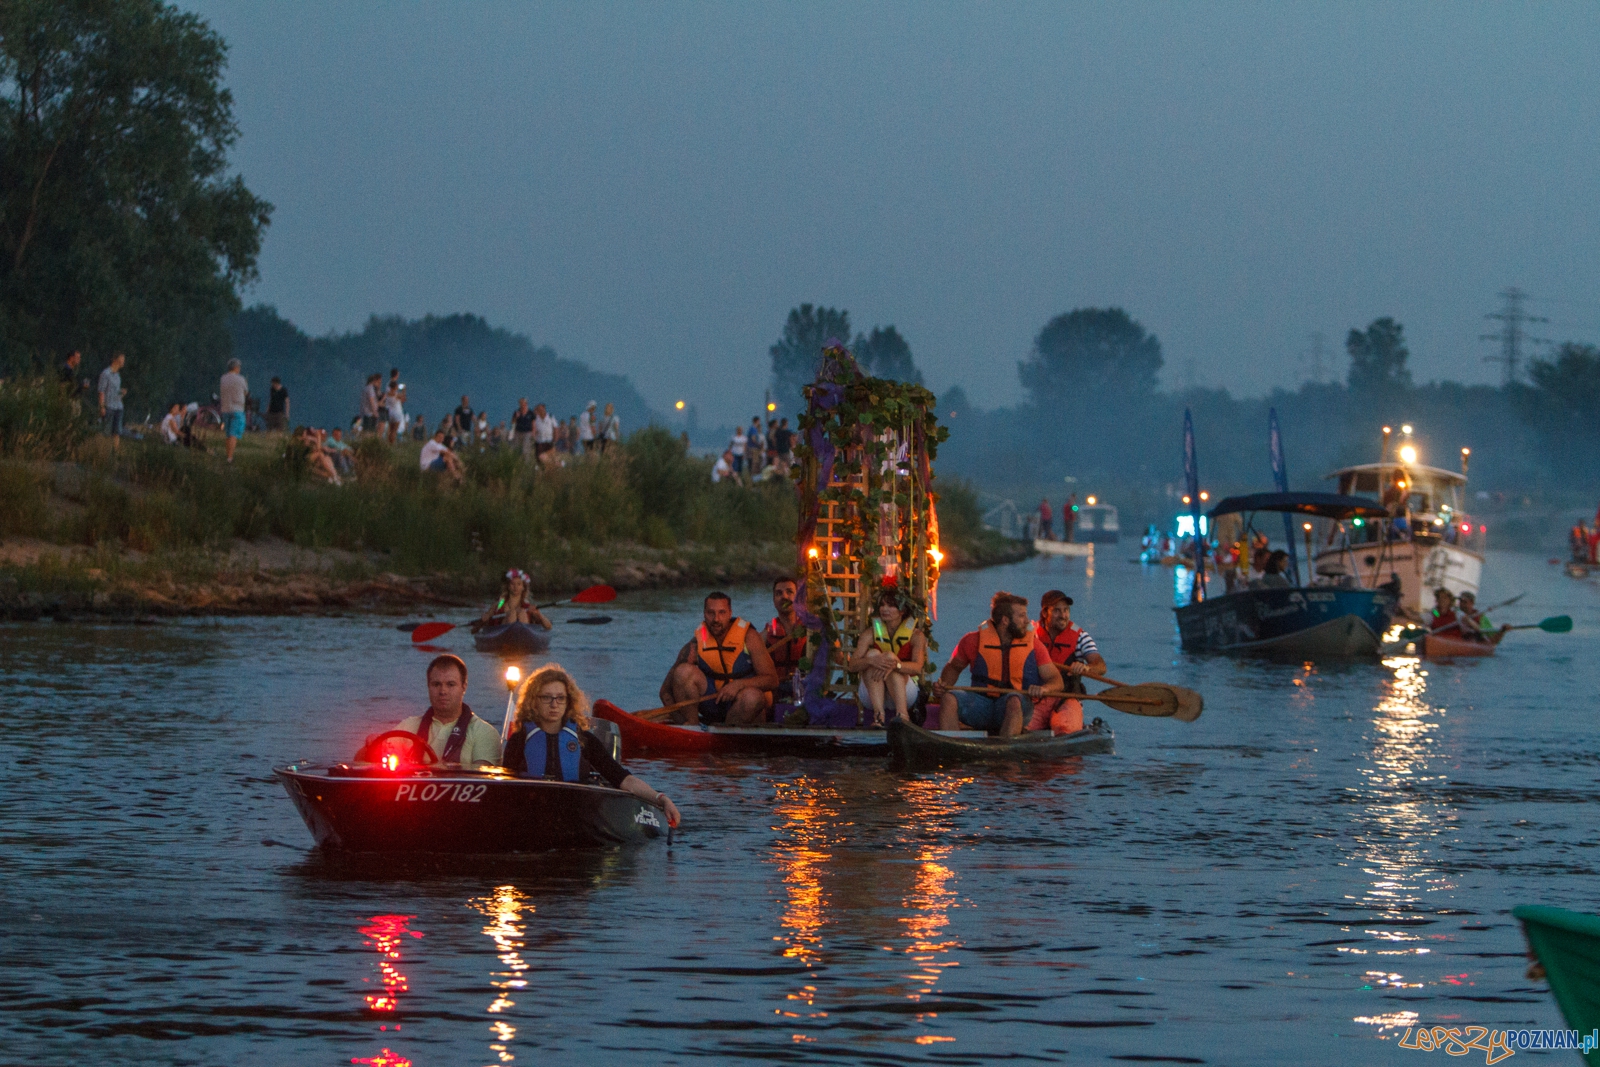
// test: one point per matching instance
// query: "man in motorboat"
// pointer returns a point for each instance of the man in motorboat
(727, 663)
(1474, 624)
(514, 604)
(456, 735)
(1004, 654)
(1074, 653)
(786, 638)
(889, 658)
(551, 740)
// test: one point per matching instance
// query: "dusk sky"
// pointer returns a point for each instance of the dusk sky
(650, 188)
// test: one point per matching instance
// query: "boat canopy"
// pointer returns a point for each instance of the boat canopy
(1323, 505)
(1366, 477)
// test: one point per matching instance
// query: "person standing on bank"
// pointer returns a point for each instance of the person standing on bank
(277, 407)
(610, 431)
(111, 394)
(1074, 653)
(552, 741)
(587, 427)
(231, 394)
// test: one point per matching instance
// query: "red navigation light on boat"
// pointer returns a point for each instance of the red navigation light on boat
(391, 762)
(1466, 527)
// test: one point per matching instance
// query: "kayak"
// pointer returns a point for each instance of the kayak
(513, 637)
(1436, 646)
(912, 746)
(369, 808)
(1567, 946)
(641, 737)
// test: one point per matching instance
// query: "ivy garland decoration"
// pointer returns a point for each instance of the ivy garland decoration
(881, 438)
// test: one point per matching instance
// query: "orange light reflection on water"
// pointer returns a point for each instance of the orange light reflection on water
(386, 1058)
(504, 909)
(807, 812)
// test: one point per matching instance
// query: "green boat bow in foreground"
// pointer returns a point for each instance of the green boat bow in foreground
(1567, 945)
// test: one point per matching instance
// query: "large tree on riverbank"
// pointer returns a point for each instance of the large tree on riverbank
(120, 227)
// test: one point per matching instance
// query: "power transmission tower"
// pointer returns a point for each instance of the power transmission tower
(1511, 336)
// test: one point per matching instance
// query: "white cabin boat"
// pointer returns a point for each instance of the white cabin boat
(1430, 541)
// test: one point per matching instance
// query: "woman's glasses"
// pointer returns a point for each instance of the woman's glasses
(551, 702)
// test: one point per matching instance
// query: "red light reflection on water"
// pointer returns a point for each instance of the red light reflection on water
(384, 934)
(382, 1059)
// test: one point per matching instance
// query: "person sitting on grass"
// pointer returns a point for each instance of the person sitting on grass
(339, 452)
(514, 605)
(551, 740)
(172, 425)
(436, 456)
(889, 657)
(317, 457)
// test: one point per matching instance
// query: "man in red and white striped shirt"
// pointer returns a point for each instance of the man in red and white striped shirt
(1074, 653)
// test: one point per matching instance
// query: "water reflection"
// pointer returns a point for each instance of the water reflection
(504, 909)
(386, 933)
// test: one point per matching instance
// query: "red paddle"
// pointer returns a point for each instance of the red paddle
(429, 630)
(595, 594)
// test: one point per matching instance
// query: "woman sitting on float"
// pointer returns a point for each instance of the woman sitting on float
(514, 605)
(889, 657)
(552, 740)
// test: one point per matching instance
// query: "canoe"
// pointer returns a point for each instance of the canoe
(513, 637)
(912, 746)
(1567, 945)
(369, 808)
(1436, 646)
(640, 737)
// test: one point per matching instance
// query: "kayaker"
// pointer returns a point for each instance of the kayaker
(1474, 624)
(726, 662)
(1442, 621)
(889, 657)
(514, 604)
(1003, 653)
(553, 714)
(456, 735)
(786, 638)
(1074, 653)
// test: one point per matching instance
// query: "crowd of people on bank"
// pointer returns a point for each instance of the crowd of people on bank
(756, 453)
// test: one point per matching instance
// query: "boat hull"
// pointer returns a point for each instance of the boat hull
(351, 809)
(1436, 647)
(641, 738)
(911, 746)
(1063, 548)
(1315, 622)
(1422, 566)
(513, 638)
(1567, 945)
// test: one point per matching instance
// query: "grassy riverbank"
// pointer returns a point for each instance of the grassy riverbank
(152, 528)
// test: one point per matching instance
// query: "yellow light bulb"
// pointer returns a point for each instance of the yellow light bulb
(1408, 454)
(812, 552)
(1091, 502)
(679, 405)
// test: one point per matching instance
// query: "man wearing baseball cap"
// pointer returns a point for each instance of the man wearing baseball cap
(1074, 653)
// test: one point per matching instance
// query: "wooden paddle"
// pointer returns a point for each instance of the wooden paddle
(1190, 703)
(1152, 700)
(658, 714)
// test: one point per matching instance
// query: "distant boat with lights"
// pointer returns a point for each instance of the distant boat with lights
(1424, 537)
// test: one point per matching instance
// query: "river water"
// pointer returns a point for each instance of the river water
(1327, 856)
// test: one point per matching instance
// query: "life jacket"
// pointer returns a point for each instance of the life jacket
(1444, 622)
(1004, 667)
(1061, 649)
(789, 648)
(723, 661)
(574, 767)
(457, 738)
(897, 643)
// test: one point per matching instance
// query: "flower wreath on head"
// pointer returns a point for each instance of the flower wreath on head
(516, 572)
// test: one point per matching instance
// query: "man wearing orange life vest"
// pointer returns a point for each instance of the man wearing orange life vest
(727, 663)
(1004, 654)
(785, 638)
(1074, 653)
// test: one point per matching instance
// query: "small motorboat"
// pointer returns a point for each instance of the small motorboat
(1437, 646)
(912, 746)
(1567, 946)
(373, 808)
(1045, 547)
(513, 638)
(642, 737)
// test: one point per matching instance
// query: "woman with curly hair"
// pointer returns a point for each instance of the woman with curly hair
(514, 604)
(551, 739)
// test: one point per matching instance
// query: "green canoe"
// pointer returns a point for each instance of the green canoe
(1567, 945)
(912, 746)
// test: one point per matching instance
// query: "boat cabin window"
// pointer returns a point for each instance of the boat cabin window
(1354, 482)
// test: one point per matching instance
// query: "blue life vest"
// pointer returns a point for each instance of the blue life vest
(568, 744)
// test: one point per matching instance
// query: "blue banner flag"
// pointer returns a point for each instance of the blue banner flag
(1191, 482)
(1280, 481)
